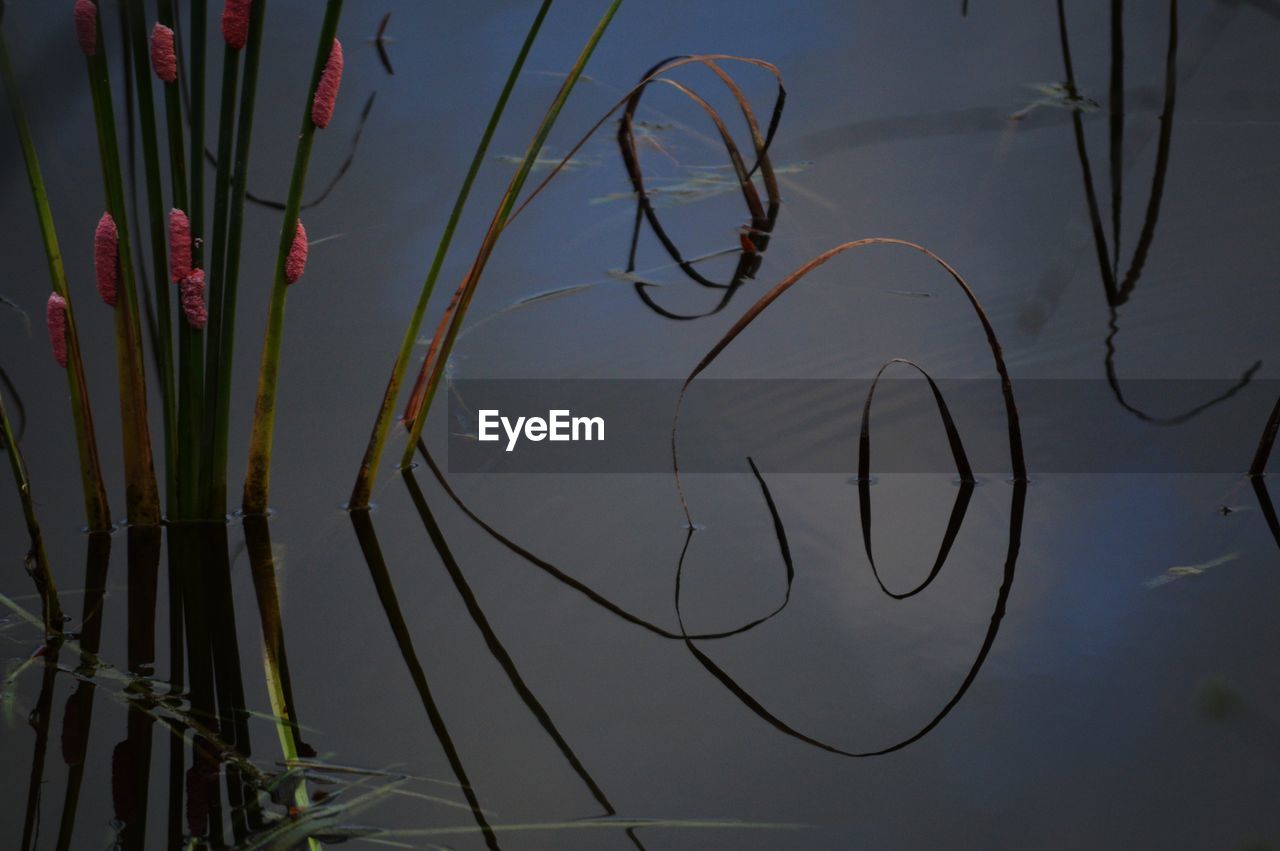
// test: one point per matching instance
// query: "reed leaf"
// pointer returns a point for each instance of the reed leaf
(258, 476)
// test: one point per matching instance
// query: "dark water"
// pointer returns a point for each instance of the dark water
(1118, 703)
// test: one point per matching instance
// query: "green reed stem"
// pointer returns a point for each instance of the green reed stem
(135, 14)
(368, 473)
(40, 571)
(462, 299)
(97, 510)
(258, 476)
(199, 29)
(142, 498)
(215, 261)
(190, 340)
(220, 384)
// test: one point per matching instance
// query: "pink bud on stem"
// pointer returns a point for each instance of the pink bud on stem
(106, 258)
(235, 23)
(327, 90)
(192, 292)
(296, 263)
(55, 316)
(179, 245)
(85, 13)
(164, 57)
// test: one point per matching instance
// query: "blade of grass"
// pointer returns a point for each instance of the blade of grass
(226, 282)
(135, 15)
(457, 309)
(258, 475)
(41, 572)
(142, 498)
(97, 511)
(368, 473)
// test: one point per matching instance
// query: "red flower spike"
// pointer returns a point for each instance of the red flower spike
(192, 290)
(85, 13)
(106, 258)
(55, 316)
(164, 57)
(296, 263)
(179, 245)
(235, 23)
(327, 90)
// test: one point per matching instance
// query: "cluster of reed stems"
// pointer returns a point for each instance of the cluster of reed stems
(179, 247)
(176, 247)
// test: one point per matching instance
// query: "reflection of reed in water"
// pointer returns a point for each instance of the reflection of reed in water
(963, 469)
(1118, 287)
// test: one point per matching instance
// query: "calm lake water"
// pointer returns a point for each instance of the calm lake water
(500, 663)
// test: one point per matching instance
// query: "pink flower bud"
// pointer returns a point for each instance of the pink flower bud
(296, 263)
(179, 245)
(192, 290)
(235, 23)
(164, 58)
(55, 316)
(106, 258)
(86, 17)
(327, 90)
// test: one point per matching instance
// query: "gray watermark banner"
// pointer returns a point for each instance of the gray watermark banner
(1172, 426)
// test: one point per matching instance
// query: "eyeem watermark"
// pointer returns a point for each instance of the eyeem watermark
(559, 425)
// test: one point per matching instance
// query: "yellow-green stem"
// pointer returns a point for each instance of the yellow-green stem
(97, 510)
(258, 476)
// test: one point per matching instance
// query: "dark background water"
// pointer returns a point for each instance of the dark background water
(1113, 710)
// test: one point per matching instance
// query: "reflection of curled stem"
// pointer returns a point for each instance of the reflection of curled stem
(1015, 514)
(1113, 379)
(1119, 290)
(864, 481)
(599, 599)
(1266, 443)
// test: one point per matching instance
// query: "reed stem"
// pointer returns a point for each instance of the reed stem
(368, 474)
(97, 510)
(220, 383)
(462, 298)
(215, 500)
(142, 498)
(135, 15)
(190, 340)
(258, 476)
